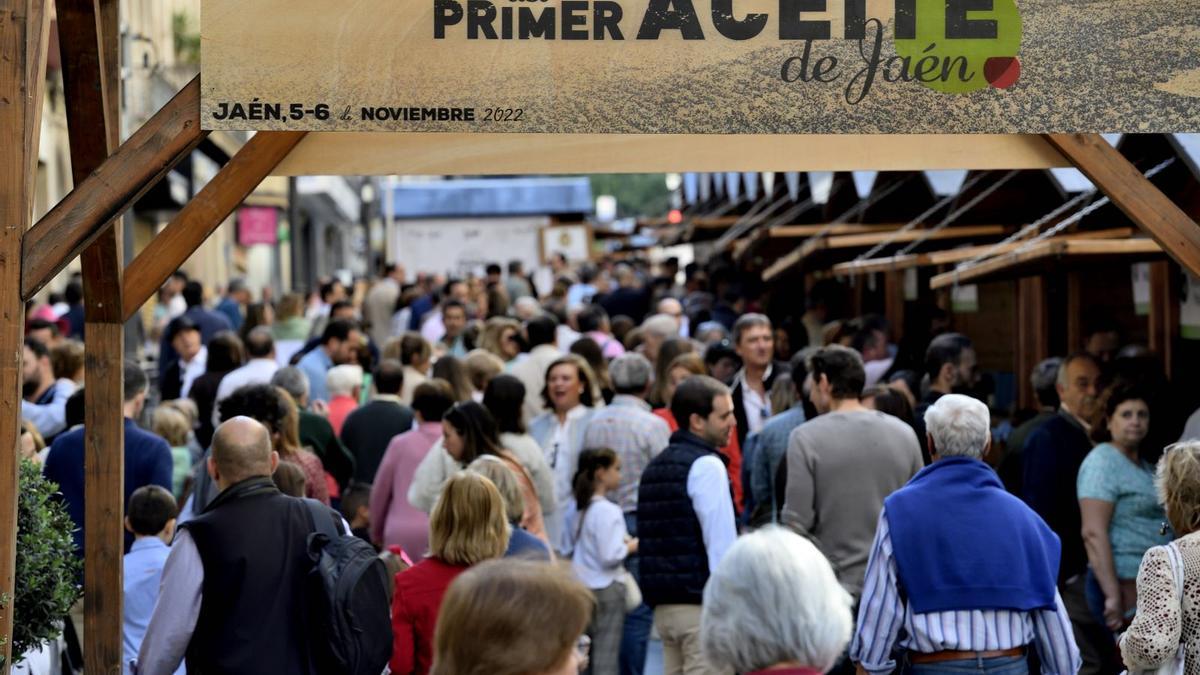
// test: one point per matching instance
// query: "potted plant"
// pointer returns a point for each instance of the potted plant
(47, 569)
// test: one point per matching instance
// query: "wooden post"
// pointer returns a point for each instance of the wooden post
(204, 213)
(22, 67)
(1164, 314)
(893, 289)
(1032, 335)
(90, 45)
(1074, 313)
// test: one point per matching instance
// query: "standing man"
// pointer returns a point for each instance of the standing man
(966, 569)
(516, 284)
(1044, 379)
(950, 366)
(540, 333)
(148, 461)
(841, 465)
(685, 519)
(260, 348)
(233, 305)
(191, 362)
(380, 303)
(638, 436)
(213, 584)
(454, 320)
(765, 450)
(339, 342)
(368, 430)
(1052, 456)
(44, 399)
(209, 322)
(754, 342)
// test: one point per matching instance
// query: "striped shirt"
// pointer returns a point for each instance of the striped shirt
(883, 612)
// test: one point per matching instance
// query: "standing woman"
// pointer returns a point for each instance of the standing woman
(466, 527)
(501, 336)
(225, 353)
(601, 546)
(394, 522)
(257, 314)
(469, 431)
(1120, 509)
(503, 398)
(1169, 616)
(559, 431)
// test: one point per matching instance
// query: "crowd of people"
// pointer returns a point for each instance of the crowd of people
(552, 480)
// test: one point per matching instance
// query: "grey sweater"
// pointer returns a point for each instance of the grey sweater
(840, 467)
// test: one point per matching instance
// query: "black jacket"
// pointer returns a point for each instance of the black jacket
(254, 615)
(672, 555)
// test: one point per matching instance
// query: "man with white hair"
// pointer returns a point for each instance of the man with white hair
(655, 331)
(966, 569)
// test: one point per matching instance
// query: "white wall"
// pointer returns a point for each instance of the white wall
(455, 246)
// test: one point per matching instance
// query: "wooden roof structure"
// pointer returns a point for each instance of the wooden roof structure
(110, 176)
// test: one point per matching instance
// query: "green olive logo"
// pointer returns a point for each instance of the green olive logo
(961, 46)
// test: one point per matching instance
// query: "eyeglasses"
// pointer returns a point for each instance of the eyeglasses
(583, 649)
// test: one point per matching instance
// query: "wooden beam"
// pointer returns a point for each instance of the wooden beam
(1136, 196)
(201, 216)
(1164, 313)
(796, 231)
(1069, 248)
(19, 67)
(1033, 335)
(90, 43)
(957, 255)
(956, 232)
(149, 154)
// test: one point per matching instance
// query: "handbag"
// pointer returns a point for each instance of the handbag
(633, 594)
(1173, 665)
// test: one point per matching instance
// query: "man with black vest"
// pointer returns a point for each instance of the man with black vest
(685, 520)
(233, 594)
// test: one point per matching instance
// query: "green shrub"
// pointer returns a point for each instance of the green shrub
(47, 569)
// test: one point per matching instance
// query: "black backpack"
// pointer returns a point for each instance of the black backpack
(350, 624)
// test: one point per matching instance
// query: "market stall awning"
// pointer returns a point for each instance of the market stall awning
(954, 256)
(831, 246)
(1039, 257)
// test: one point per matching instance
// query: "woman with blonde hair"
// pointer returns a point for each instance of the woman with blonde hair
(481, 366)
(501, 336)
(467, 527)
(1167, 623)
(173, 426)
(513, 617)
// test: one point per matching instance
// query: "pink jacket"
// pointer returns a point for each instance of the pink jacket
(394, 522)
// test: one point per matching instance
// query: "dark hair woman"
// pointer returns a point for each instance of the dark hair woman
(225, 354)
(468, 431)
(504, 397)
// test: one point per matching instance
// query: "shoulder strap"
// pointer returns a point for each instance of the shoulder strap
(320, 517)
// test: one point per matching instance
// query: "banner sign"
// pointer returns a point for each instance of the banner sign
(702, 66)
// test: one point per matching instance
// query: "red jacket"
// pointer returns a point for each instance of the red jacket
(415, 605)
